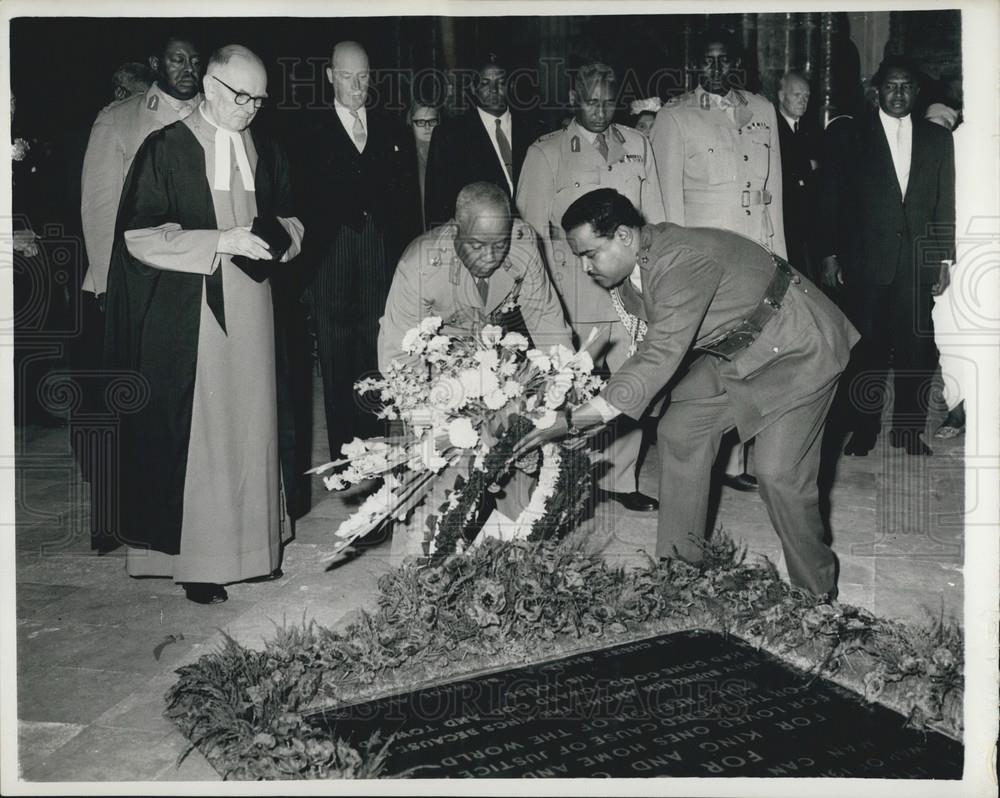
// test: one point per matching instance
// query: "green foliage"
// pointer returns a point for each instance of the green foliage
(511, 603)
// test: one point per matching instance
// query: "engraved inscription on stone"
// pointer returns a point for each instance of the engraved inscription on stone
(686, 704)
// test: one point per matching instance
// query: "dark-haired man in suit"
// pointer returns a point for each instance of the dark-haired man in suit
(488, 143)
(889, 217)
(361, 211)
(737, 338)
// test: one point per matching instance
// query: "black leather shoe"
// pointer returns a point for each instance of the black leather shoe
(205, 593)
(634, 501)
(860, 443)
(744, 482)
(909, 440)
(277, 573)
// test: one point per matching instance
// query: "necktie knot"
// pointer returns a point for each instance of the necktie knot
(795, 127)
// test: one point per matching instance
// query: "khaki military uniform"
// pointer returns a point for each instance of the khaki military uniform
(118, 132)
(431, 280)
(560, 168)
(720, 165)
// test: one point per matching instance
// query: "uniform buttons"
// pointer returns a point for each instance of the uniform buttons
(774, 349)
(609, 167)
(746, 157)
(577, 185)
(748, 212)
(748, 184)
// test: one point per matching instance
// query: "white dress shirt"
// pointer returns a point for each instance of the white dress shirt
(899, 134)
(347, 119)
(490, 123)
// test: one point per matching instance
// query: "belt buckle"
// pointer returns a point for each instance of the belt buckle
(745, 199)
(765, 196)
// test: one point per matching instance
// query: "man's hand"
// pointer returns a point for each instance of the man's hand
(240, 241)
(944, 279)
(537, 437)
(832, 275)
(25, 243)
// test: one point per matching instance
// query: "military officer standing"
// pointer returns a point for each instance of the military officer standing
(591, 153)
(470, 272)
(118, 132)
(720, 166)
(719, 154)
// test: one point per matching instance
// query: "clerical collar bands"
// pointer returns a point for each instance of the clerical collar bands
(223, 152)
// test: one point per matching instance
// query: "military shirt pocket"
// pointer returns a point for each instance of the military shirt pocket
(759, 151)
(572, 186)
(712, 163)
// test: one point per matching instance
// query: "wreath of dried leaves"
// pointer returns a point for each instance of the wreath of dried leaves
(508, 604)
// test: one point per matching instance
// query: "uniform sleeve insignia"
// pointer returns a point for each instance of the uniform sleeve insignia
(152, 102)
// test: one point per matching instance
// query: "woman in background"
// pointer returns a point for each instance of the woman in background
(422, 118)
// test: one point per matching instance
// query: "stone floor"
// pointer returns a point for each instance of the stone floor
(96, 650)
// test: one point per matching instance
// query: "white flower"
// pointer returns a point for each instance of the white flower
(430, 324)
(507, 368)
(583, 362)
(355, 448)
(561, 355)
(495, 399)
(530, 402)
(472, 384)
(461, 434)
(514, 340)
(488, 358)
(334, 482)
(555, 394)
(413, 343)
(513, 388)
(539, 360)
(546, 419)
(438, 344)
(491, 334)
(448, 393)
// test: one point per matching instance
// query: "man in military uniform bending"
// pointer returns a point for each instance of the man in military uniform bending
(590, 153)
(471, 272)
(739, 339)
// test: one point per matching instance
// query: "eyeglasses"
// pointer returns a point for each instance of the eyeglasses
(426, 122)
(242, 98)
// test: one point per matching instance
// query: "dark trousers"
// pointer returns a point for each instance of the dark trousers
(786, 462)
(896, 329)
(347, 300)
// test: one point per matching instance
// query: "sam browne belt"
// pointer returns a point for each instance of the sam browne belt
(746, 331)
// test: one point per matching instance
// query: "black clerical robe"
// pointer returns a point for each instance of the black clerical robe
(160, 319)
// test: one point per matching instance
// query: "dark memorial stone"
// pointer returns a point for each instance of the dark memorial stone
(685, 704)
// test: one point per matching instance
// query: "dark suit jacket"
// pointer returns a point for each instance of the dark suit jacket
(700, 282)
(799, 188)
(868, 224)
(462, 152)
(341, 187)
